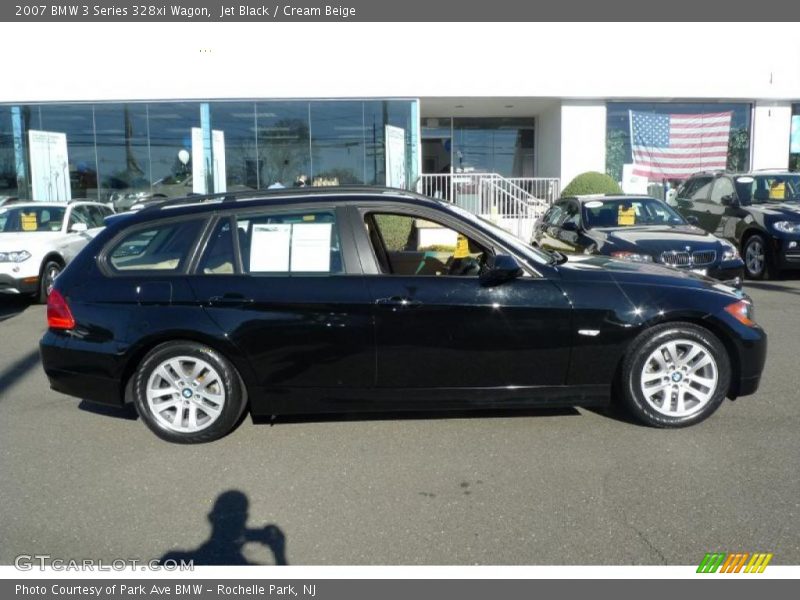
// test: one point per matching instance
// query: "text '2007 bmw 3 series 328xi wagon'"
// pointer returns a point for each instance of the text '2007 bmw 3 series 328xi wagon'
(361, 300)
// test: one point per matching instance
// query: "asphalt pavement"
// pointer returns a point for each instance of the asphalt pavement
(525, 487)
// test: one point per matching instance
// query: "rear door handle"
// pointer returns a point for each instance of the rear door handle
(229, 300)
(398, 301)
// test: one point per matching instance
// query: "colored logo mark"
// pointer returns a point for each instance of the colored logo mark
(735, 562)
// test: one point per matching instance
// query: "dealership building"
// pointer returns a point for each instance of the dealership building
(212, 108)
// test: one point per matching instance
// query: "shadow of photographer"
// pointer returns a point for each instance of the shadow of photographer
(229, 535)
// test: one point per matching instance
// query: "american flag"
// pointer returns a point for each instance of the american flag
(674, 146)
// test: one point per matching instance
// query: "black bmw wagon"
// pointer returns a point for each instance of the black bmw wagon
(366, 299)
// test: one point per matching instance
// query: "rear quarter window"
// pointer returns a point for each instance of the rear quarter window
(160, 247)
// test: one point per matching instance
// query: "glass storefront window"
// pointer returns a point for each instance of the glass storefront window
(123, 153)
(794, 140)
(674, 140)
(501, 145)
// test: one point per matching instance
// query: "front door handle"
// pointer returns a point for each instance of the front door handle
(398, 301)
(229, 300)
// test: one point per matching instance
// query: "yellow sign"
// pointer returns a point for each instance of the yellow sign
(626, 216)
(462, 247)
(28, 222)
(777, 191)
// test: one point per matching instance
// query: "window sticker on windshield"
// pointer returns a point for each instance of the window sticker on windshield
(309, 217)
(626, 216)
(777, 191)
(462, 247)
(593, 204)
(28, 221)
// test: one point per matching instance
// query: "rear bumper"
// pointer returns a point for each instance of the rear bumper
(69, 372)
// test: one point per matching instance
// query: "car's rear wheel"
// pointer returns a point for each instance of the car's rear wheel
(47, 279)
(756, 257)
(675, 375)
(188, 393)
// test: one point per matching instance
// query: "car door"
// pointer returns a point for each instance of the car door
(280, 285)
(569, 228)
(723, 208)
(551, 238)
(437, 327)
(692, 200)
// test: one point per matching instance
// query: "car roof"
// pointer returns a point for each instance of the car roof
(260, 198)
(31, 203)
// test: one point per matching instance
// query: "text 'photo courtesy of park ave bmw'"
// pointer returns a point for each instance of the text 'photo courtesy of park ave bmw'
(351, 299)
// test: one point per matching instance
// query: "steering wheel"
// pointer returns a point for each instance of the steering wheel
(464, 266)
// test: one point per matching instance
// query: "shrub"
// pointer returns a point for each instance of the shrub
(591, 182)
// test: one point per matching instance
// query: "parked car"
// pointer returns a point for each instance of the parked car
(639, 229)
(37, 240)
(349, 299)
(758, 211)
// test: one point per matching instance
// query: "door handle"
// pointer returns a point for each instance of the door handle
(229, 300)
(398, 301)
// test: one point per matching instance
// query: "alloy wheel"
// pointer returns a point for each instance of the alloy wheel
(679, 378)
(755, 257)
(185, 394)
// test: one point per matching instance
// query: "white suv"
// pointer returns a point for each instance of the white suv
(38, 239)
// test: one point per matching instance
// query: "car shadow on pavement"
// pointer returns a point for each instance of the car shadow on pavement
(127, 412)
(505, 413)
(11, 306)
(18, 369)
(230, 534)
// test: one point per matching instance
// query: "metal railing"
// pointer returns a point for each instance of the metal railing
(513, 203)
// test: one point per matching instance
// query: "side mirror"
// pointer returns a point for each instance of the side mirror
(78, 227)
(692, 220)
(499, 269)
(729, 200)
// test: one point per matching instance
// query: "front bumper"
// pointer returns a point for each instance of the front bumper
(18, 285)
(786, 253)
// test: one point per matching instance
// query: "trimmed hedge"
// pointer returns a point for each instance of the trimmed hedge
(591, 182)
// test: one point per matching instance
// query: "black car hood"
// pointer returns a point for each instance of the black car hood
(656, 239)
(788, 210)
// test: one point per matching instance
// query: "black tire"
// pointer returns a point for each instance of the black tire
(234, 393)
(50, 269)
(753, 269)
(642, 348)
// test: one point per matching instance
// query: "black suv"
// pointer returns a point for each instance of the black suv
(352, 299)
(758, 211)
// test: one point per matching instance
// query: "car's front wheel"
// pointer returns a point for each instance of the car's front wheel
(756, 257)
(188, 393)
(675, 375)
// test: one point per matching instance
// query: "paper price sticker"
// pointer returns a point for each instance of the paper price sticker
(462, 247)
(28, 221)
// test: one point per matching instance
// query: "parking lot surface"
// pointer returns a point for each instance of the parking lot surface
(532, 487)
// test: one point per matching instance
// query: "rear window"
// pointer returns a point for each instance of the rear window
(163, 247)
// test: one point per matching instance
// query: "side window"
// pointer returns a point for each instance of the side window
(722, 187)
(286, 244)
(572, 214)
(409, 245)
(219, 257)
(553, 215)
(701, 189)
(79, 214)
(164, 247)
(96, 215)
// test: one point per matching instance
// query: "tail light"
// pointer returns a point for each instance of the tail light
(59, 316)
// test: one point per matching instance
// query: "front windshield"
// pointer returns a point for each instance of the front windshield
(629, 212)
(762, 189)
(507, 238)
(22, 219)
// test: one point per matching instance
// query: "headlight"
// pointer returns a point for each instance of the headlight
(633, 256)
(742, 311)
(15, 257)
(787, 226)
(730, 252)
